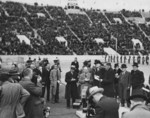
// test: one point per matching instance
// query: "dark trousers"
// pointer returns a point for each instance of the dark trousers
(57, 93)
(116, 87)
(48, 91)
(68, 102)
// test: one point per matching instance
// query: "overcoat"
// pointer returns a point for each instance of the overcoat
(137, 79)
(124, 84)
(138, 111)
(11, 95)
(107, 108)
(108, 83)
(71, 87)
(34, 105)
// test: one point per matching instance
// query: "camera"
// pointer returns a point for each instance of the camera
(46, 112)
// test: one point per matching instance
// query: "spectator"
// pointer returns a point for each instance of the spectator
(34, 105)
(138, 108)
(13, 98)
(105, 107)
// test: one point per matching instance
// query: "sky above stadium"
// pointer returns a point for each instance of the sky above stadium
(113, 5)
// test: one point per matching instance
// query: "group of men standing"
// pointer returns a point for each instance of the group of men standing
(25, 97)
(117, 83)
(114, 81)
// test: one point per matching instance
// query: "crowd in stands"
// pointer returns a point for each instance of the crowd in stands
(145, 28)
(80, 30)
(127, 13)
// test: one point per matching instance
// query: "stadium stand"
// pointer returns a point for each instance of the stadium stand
(42, 24)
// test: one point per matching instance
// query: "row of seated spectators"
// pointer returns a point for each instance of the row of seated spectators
(145, 28)
(127, 13)
(56, 23)
(111, 17)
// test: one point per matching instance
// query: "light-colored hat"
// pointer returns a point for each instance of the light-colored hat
(94, 90)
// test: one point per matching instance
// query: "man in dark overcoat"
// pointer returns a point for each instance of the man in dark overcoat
(137, 78)
(117, 71)
(71, 79)
(108, 82)
(46, 80)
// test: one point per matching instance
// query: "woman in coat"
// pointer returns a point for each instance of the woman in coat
(71, 87)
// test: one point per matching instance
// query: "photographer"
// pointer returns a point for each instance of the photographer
(105, 107)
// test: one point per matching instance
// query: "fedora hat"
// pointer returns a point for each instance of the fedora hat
(73, 66)
(123, 66)
(94, 90)
(135, 64)
(138, 94)
(116, 65)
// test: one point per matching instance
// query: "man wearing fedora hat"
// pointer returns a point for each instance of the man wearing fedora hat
(137, 78)
(124, 83)
(105, 107)
(138, 108)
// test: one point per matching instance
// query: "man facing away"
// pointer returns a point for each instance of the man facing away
(138, 108)
(13, 98)
(105, 107)
(34, 105)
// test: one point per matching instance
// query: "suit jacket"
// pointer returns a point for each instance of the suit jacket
(137, 79)
(108, 83)
(125, 79)
(107, 108)
(124, 83)
(71, 87)
(45, 76)
(100, 73)
(55, 75)
(34, 105)
(11, 95)
(76, 64)
(138, 111)
(117, 72)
